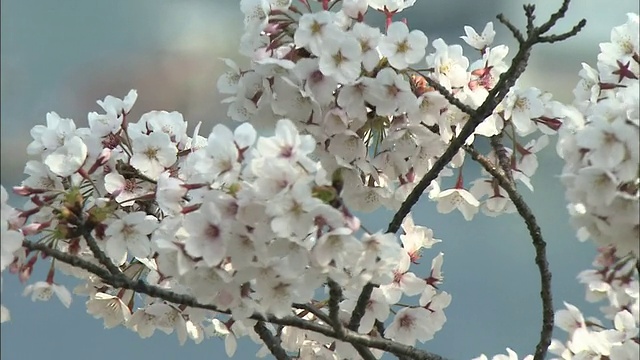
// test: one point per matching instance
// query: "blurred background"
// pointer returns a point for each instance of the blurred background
(64, 55)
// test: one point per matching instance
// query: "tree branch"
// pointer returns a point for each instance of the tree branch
(272, 342)
(99, 254)
(501, 154)
(496, 95)
(335, 296)
(121, 281)
(538, 243)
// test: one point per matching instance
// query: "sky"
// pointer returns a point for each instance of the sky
(63, 56)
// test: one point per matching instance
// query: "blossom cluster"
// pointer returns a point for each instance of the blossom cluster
(601, 147)
(365, 97)
(600, 144)
(244, 223)
(265, 225)
(615, 280)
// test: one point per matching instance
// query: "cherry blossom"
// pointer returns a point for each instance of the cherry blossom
(153, 153)
(43, 290)
(461, 199)
(109, 307)
(410, 325)
(67, 159)
(401, 47)
(479, 41)
(341, 60)
(129, 235)
(259, 219)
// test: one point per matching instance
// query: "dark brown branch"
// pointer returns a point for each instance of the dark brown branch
(315, 311)
(538, 243)
(550, 39)
(502, 156)
(272, 342)
(514, 30)
(529, 13)
(496, 95)
(335, 296)
(121, 281)
(99, 254)
(449, 96)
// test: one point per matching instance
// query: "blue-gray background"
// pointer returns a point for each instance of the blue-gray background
(63, 55)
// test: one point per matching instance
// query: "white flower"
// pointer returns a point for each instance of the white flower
(129, 234)
(449, 64)
(415, 238)
(46, 139)
(570, 319)
(341, 60)
(392, 6)
(624, 40)
(170, 123)
(144, 322)
(4, 314)
(369, 38)
(521, 106)
(68, 159)
(42, 291)
(355, 8)
(404, 281)
(111, 308)
(392, 93)
(409, 325)
(291, 211)
(382, 252)
(320, 87)
(113, 105)
(352, 97)
(153, 153)
(479, 42)
(229, 81)
(102, 125)
(401, 47)
(255, 14)
(207, 234)
(605, 139)
(40, 177)
(11, 242)
(377, 309)
(218, 328)
(460, 199)
(287, 143)
(338, 247)
(220, 161)
(511, 355)
(126, 190)
(316, 28)
(170, 193)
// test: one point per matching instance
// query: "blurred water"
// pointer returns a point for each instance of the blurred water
(62, 56)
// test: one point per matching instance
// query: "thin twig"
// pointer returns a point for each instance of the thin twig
(496, 95)
(538, 243)
(514, 30)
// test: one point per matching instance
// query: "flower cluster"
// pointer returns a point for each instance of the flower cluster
(244, 223)
(263, 227)
(616, 281)
(600, 145)
(365, 97)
